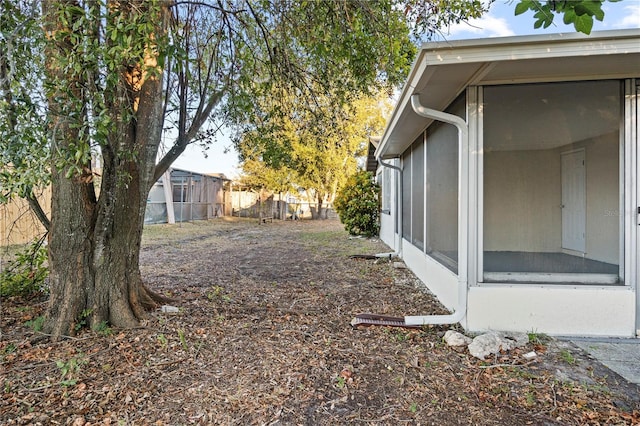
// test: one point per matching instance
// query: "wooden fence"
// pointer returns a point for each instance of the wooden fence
(18, 225)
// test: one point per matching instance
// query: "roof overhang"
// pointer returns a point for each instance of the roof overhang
(443, 70)
(372, 162)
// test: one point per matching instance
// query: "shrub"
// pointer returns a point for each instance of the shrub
(357, 204)
(26, 273)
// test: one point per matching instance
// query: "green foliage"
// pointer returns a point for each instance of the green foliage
(81, 322)
(357, 203)
(36, 324)
(328, 68)
(162, 340)
(24, 150)
(217, 294)
(183, 340)
(538, 338)
(580, 13)
(70, 369)
(103, 329)
(26, 273)
(109, 48)
(258, 175)
(341, 48)
(9, 349)
(315, 149)
(567, 357)
(429, 17)
(321, 59)
(104, 46)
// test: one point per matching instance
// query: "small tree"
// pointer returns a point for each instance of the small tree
(357, 204)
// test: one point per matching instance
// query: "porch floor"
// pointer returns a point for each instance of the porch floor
(518, 261)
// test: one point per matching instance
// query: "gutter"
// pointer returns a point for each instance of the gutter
(460, 310)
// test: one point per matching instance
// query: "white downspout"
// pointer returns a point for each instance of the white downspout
(398, 251)
(463, 212)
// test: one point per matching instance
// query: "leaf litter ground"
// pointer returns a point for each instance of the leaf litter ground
(263, 337)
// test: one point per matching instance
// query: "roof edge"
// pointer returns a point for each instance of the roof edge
(532, 39)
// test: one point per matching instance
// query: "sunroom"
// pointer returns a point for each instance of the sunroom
(510, 182)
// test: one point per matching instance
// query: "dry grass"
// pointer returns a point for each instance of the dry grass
(263, 338)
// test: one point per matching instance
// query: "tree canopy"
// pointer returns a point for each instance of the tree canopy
(580, 13)
(358, 204)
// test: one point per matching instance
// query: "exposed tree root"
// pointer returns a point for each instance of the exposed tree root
(154, 298)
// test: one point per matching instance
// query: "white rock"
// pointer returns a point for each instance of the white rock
(168, 309)
(455, 339)
(399, 265)
(495, 341)
(530, 355)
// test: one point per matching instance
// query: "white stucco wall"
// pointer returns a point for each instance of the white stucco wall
(441, 281)
(603, 199)
(521, 186)
(554, 310)
(387, 234)
(522, 197)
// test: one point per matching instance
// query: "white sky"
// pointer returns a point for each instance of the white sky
(499, 22)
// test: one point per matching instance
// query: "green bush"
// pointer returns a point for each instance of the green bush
(26, 273)
(357, 204)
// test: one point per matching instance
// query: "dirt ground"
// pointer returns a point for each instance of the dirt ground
(262, 336)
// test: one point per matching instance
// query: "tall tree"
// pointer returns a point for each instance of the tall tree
(104, 87)
(106, 74)
(314, 148)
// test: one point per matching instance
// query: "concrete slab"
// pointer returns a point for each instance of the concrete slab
(619, 355)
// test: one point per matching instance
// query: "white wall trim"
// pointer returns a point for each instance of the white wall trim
(555, 277)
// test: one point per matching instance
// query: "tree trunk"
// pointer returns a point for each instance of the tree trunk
(70, 252)
(94, 243)
(319, 213)
(94, 256)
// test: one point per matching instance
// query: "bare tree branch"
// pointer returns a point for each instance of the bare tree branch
(183, 141)
(35, 206)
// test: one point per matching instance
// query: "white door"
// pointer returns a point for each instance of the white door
(573, 201)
